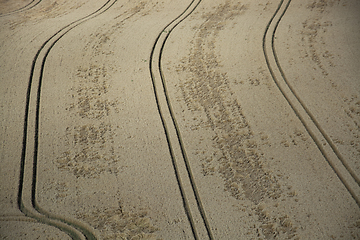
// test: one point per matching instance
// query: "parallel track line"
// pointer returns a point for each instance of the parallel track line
(326, 136)
(175, 22)
(303, 108)
(28, 6)
(41, 215)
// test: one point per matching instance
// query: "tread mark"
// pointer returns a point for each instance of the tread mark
(24, 8)
(41, 215)
(296, 111)
(183, 152)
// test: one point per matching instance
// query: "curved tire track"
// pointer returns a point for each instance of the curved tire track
(29, 160)
(29, 6)
(171, 129)
(323, 142)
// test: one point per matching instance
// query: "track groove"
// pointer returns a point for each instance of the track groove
(317, 133)
(70, 226)
(29, 6)
(159, 51)
(328, 139)
(188, 168)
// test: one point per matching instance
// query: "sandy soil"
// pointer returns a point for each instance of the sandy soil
(180, 119)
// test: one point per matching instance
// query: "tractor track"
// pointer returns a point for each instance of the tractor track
(323, 142)
(28, 6)
(193, 207)
(170, 126)
(26, 199)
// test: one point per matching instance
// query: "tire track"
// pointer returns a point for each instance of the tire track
(326, 146)
(235, 156)
(170, 125)
(29, 6)
(26, 199)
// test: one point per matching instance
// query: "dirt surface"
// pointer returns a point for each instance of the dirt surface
(180, 119)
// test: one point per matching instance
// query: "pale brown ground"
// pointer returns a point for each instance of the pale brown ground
(103, 157)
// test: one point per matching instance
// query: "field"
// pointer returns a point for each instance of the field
(180, 119)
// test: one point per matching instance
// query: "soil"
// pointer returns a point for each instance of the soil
(180, 119)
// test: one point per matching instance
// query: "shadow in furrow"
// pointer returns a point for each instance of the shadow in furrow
(323, 133)
(174, 23)
(304, 108)
(65, 224)
(28, 6)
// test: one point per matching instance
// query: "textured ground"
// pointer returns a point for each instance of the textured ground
(180, 119)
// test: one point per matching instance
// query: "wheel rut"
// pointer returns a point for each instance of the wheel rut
(191, 199)
(323, 142)
(27, 202)
(28, 6)
(239, 162)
